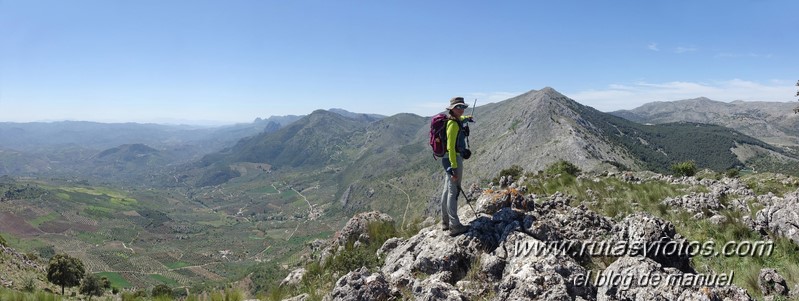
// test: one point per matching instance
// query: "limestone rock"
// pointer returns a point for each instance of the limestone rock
(771, 283)
(361, 285)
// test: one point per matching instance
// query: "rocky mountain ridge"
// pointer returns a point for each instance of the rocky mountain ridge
(494, 260)
(532, 130)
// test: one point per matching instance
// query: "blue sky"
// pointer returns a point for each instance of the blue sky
(234, 61)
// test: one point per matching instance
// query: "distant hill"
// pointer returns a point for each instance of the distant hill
(77, 148)
(772, 122)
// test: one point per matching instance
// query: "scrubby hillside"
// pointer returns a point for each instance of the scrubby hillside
(22, 272)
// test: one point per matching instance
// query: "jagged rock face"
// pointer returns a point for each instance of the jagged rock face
(634, 278)
(357, 226)
(780, 217)
(630, 272)
(642, 227)
(429, 252)
(555, 219)
(361, 285)
(490, 247)
(294, 277)
(702, 203)
(437, 287)
(494, 258)
(696, 202)
(355, 230)
(530, 276)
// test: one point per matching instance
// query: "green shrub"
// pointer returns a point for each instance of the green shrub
(91, 286)
(686, 168)
(732, 173)
(562, 167)
(161, 290)
(515, 171)
(3, 241)
(28, 284)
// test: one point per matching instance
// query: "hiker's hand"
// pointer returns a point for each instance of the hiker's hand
(452, 173)
(469, 119)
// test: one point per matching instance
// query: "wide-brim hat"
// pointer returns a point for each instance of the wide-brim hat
(456, 101)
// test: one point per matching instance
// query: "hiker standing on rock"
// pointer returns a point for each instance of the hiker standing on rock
(453, 164)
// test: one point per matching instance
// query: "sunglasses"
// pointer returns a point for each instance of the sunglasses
(462, 107)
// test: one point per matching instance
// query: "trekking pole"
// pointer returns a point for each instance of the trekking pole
(467, 124)
(468, 201)
(475, 104)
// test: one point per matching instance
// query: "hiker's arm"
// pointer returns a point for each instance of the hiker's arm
(452, 137)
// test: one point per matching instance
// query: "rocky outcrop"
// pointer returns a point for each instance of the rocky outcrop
(507, 254)
(724, 193)
(696, 202)
(532, 276)
(437, 287)
(657, 237)
(361, 285)
(628, 278)
(429, 252)
(641, 278)
(555, 219)
(294, 277)
(356, 230)
(771, 284)
(780, 217)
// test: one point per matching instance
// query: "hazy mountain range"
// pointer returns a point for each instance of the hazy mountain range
(773, 122)
(229, 198)
(531, 130)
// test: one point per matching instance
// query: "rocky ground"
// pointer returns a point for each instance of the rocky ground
(18, 270)
(493, 261)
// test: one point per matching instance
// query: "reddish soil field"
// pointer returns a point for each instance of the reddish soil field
(63, 226)
(16, 225)
(55, 226)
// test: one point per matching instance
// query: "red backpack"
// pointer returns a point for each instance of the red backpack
(438, 135)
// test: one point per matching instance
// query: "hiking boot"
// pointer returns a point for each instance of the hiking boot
(445, 227)
(458, 230)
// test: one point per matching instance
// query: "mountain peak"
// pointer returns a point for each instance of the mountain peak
(538, 99)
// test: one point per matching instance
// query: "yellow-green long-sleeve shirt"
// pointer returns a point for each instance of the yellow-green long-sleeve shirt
(455, 140)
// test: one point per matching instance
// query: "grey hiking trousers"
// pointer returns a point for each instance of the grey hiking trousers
(449, 197)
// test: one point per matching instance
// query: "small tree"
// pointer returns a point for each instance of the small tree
(105, 282)
(64, 270)
(92, 286)
(161, 290)
(687, 168)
